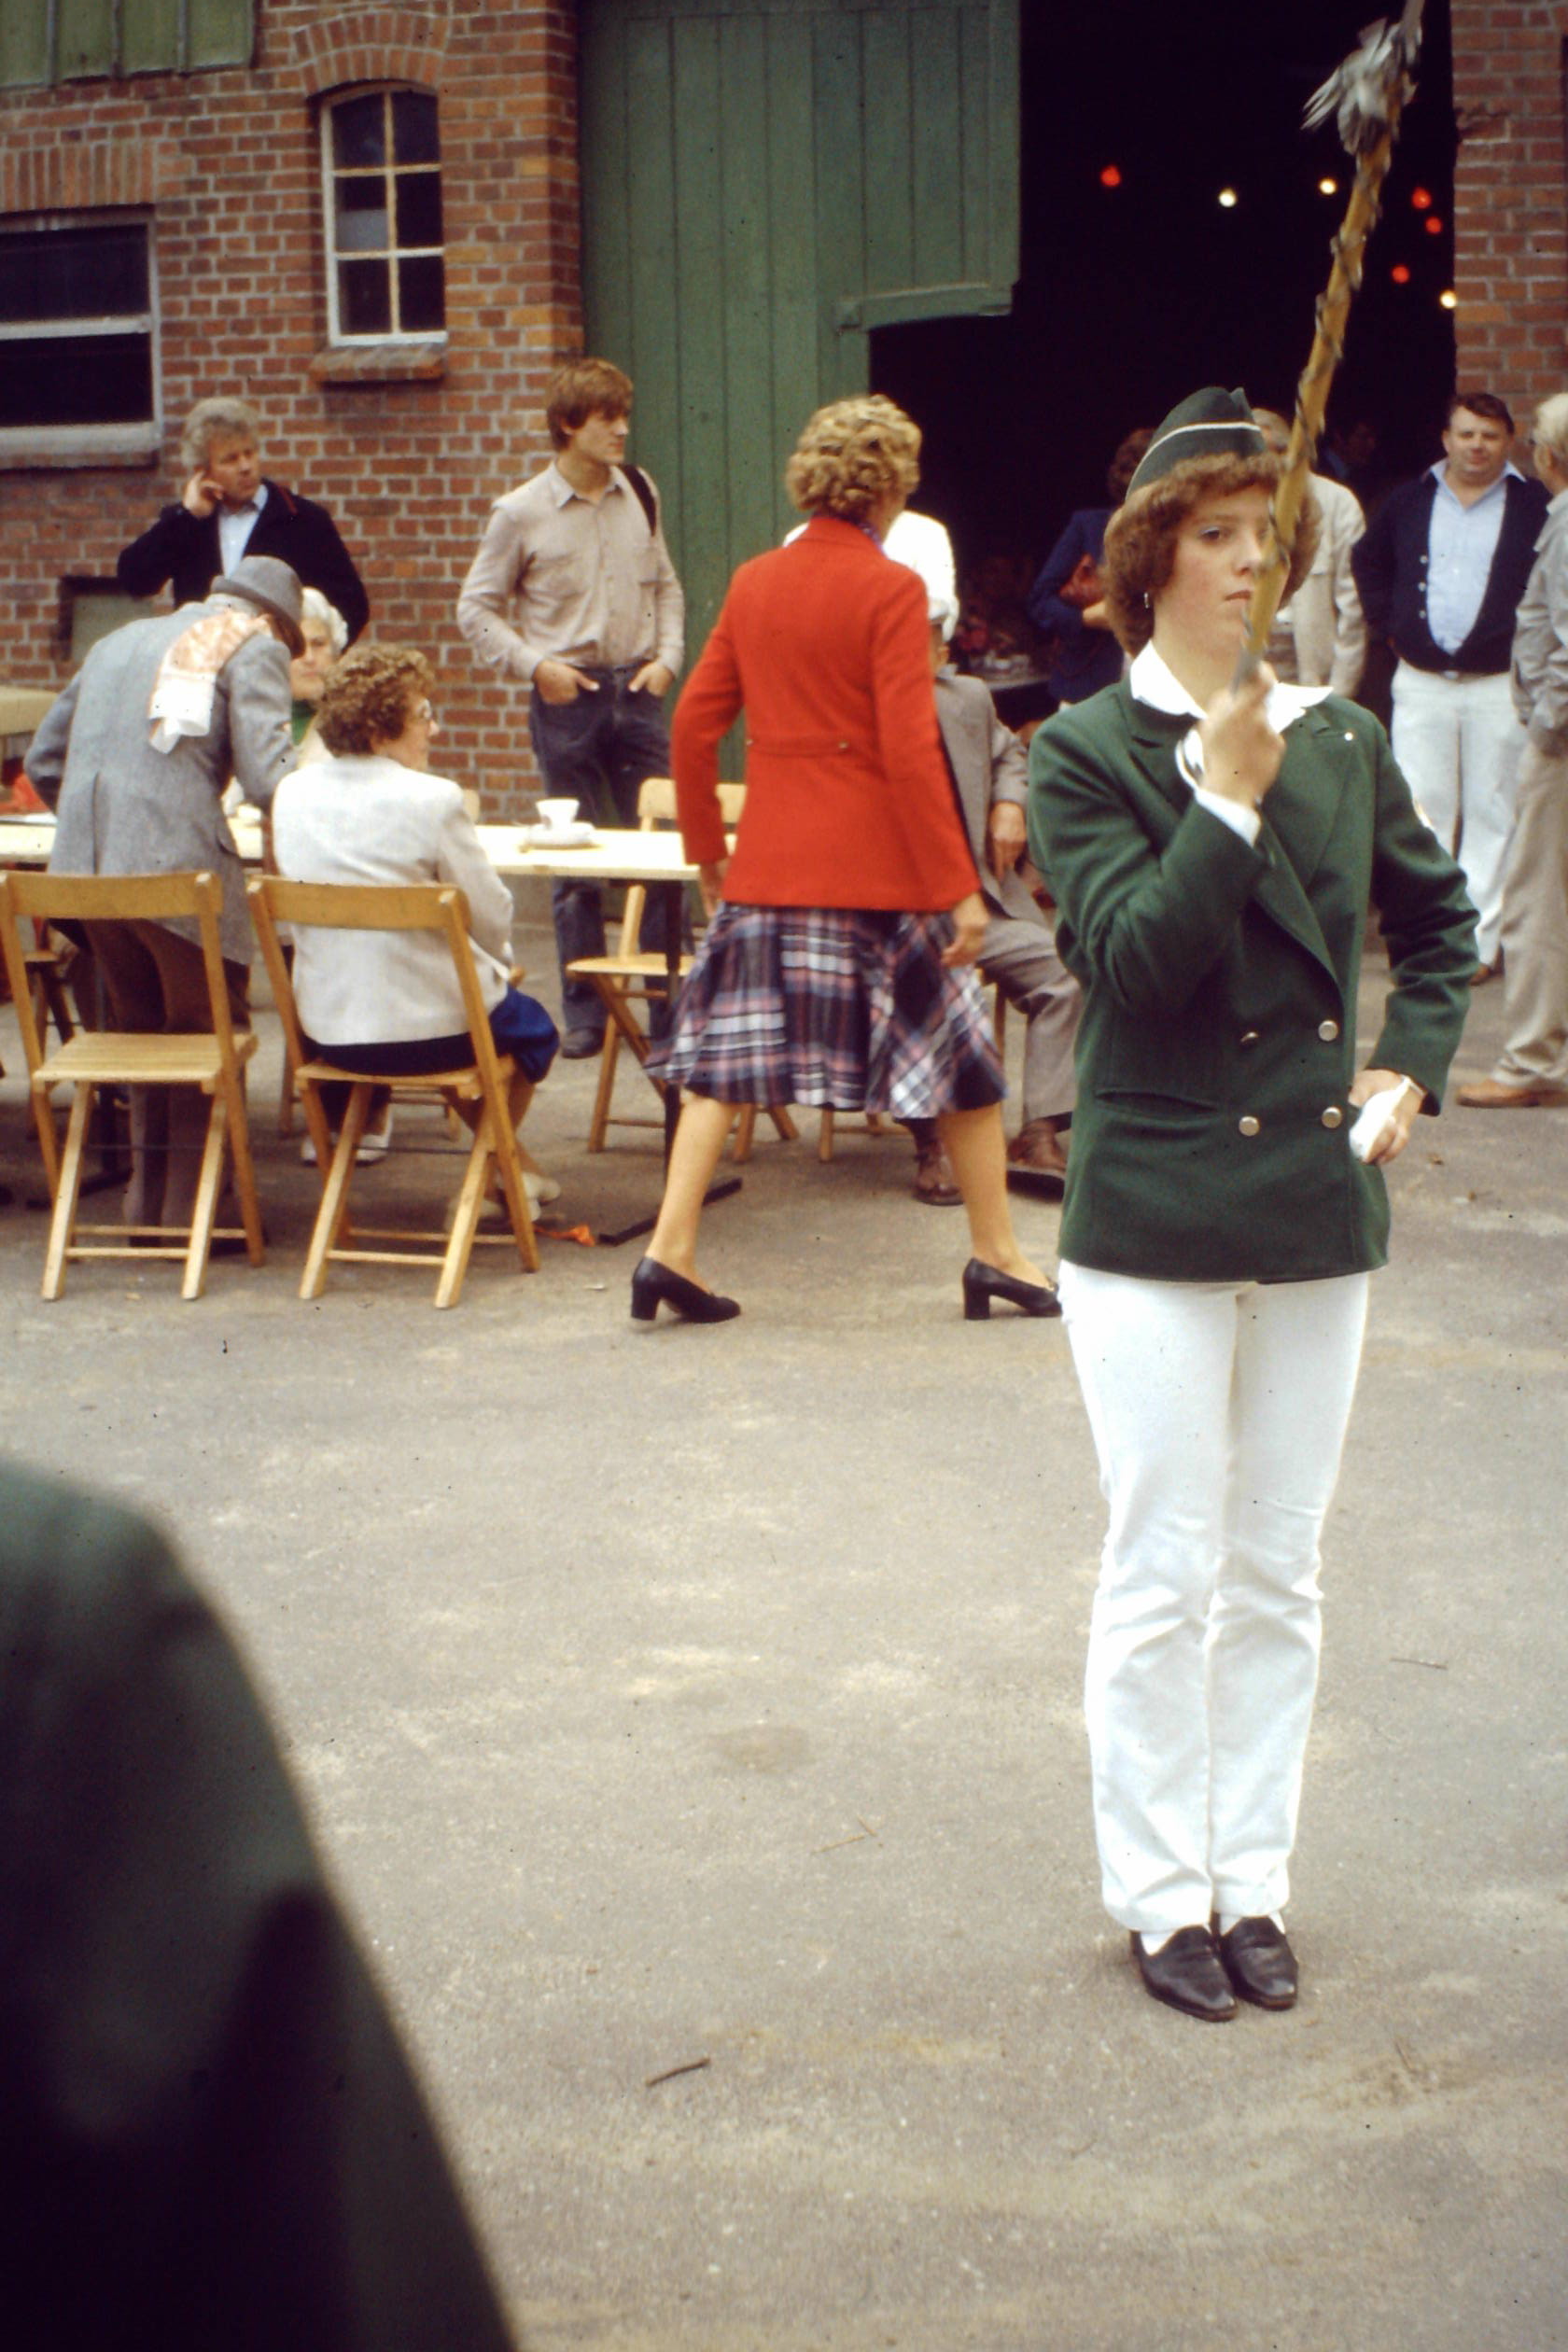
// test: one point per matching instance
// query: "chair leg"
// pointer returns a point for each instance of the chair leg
(62, 1225)
(465, 1222)
(48, 1138)
(330, 1216)
(610, 1053)
(825, 1137)
(787, 1132)
(503, 1159)
(204, 1214)
(315, 1124)
(745, 1134)
(244, 1178)
(286, 1093)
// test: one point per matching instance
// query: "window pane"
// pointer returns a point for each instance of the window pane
(73, 273)
(415, 133)
(422, 295)
(362, 215)
(78, 380)
(364, 298)
(359, 136)
(419, 208)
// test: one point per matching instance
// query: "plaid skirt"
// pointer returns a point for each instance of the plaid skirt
(831, 1007)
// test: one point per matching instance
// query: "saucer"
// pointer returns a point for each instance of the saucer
(576, 836)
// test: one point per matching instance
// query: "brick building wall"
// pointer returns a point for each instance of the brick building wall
(1511, 199)
(406, 446)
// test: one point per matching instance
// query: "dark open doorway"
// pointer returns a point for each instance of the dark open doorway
(1133, 294)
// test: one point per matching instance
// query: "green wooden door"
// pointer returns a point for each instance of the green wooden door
(765, 181)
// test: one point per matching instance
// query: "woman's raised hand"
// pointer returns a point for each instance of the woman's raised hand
(1242, 753)
(968, 923)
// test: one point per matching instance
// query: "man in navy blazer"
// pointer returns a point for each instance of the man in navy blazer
(228, 510)
(1441, 571)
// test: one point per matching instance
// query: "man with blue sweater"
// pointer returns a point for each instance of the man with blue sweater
(1441, 571)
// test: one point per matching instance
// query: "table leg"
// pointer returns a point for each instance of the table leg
(670, 895)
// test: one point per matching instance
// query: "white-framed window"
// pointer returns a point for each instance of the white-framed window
(78, 335)
(382, 204)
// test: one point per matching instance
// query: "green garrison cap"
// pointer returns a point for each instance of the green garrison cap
(1208, 424)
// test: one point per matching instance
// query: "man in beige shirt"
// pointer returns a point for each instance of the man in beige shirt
(573, 593)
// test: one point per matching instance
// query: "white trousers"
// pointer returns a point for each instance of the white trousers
(1459, 742)
(1218, 1412)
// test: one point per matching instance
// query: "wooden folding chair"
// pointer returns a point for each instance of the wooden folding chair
(395, 908)
(92, 1058)
(633, 974)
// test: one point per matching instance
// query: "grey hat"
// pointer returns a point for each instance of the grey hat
(273, 587)
(1208, 424)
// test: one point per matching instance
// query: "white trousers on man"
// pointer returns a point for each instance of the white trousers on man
(1458, 741)
(1218, 1411)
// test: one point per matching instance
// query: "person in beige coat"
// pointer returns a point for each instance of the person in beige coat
(1319, 636)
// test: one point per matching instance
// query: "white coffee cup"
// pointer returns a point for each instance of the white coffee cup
(558, 814)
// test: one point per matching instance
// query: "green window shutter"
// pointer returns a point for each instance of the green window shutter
(221, 33)
(84, 38)
(150, 36)
(24, 52)
(100, 37)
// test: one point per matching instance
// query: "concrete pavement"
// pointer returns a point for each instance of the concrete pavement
(710, 1700)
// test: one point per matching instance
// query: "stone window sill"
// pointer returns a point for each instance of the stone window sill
(422, 362)
(51, 448)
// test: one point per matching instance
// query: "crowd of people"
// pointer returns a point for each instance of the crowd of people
(1173, 884)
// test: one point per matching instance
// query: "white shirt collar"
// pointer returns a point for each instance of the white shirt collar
(563, 493)
(1155, 684)
(1439, 473)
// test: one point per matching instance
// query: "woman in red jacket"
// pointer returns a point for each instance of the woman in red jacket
(836, 969)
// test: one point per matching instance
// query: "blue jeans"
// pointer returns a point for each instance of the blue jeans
(597, 750)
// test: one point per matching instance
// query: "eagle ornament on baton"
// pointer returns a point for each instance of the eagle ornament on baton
(1367, 94)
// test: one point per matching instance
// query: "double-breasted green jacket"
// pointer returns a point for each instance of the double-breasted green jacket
(1217, 1047)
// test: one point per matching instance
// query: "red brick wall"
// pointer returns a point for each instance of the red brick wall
(229, 161)
(1511, 199)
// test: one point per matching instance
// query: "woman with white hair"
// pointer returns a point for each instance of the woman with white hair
(326, 634)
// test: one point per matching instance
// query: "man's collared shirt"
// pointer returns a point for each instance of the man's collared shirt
(591, 581)
(1461, 545)
(1154, 684)
(235, 525)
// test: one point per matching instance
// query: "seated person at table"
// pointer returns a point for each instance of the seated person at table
(387, 1003)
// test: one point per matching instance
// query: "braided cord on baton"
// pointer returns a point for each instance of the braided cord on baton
(1349, 250)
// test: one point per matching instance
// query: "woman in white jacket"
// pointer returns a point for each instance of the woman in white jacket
(387, 1003)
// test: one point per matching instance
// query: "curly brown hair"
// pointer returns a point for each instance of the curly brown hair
(851, 456)
(1141, 537)
(366, 698)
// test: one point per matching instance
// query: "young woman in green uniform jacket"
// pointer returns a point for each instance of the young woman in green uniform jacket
(1214, 852)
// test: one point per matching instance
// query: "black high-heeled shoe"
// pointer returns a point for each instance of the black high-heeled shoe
(653, 1283)
(982, 1284)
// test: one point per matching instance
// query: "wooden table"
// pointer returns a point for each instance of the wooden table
(657, 859)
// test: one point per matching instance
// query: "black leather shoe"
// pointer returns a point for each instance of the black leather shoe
(982, 1284)
(581, 1044)
(653, 1283)
(1186, 1974)
(1260, 1964)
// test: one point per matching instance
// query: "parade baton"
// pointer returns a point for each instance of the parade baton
(1367, 93)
